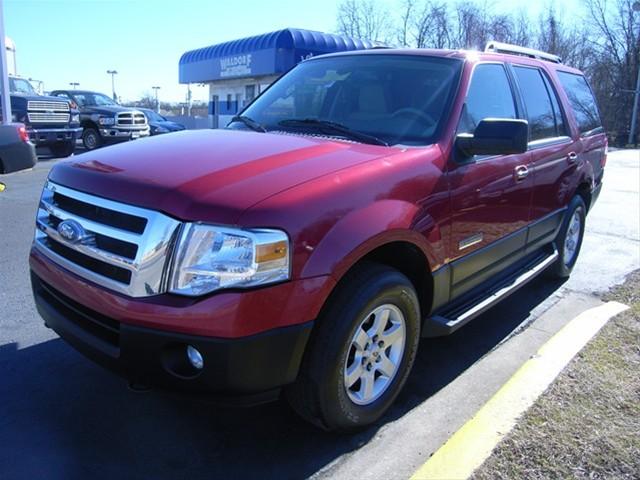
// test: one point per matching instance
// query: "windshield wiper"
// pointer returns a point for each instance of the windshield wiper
(332, 127)
(249, 122)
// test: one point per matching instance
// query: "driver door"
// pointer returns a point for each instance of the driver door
(490, 195)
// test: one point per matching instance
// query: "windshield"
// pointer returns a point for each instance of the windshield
(399, 99)
(20, 85)
(91, 99)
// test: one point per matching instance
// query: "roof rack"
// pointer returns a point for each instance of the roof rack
(499, 47)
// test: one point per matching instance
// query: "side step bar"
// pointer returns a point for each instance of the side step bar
(440, 325)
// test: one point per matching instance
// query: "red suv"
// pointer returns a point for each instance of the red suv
(365, 200)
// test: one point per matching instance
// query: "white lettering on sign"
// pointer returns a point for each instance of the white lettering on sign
(235, 66)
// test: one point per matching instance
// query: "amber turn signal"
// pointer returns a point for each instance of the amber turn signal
(271, 251)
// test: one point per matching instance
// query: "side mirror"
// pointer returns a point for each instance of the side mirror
(495, 136)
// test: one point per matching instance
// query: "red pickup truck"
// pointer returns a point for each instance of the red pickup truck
(365, 200)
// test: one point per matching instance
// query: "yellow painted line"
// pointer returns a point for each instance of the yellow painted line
(470, 446)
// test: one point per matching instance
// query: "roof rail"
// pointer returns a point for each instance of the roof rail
(499, 47)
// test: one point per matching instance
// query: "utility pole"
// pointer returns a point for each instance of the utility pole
(74, 84)
(157, 103)
(113, 74)
(634, 114)
(4, 78)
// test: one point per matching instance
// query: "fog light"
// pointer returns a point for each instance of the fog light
(195, 357)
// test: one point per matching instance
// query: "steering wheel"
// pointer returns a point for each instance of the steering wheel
(418, 114)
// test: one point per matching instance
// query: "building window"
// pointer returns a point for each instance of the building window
(249, 93)
(229, 100)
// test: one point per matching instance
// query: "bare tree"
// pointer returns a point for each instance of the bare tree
(614, 68)
(366, 19)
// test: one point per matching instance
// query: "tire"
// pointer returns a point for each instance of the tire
(63, 149)
(569, 239)
(91, 138)
(320, 394)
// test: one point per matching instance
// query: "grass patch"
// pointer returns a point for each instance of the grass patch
(587, 423)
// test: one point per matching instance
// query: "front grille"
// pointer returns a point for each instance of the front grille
(92, 322)
(119, 246)
(100, 214)
(131, 118)
(47, 106)
(42, 117)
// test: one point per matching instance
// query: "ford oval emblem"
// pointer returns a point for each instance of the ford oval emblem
(71, 231)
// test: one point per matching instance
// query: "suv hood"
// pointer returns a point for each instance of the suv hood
(107, 110)
(208, 175)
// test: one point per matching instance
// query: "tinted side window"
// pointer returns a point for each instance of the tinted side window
(582, 101)
(561, 126)
(489, 95)
(542, 123)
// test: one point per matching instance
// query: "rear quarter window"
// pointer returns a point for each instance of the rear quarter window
(582, 102)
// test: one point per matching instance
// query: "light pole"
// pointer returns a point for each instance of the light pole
(4, 77)
(74, 84)
(113, 74)
(157, 104)
(634, 113)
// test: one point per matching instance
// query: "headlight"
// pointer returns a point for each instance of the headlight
(106, 120)
(160, 130)
(210, 258)
(75, 118)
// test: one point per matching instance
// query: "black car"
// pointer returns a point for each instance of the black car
(159, 124)
(103, 120)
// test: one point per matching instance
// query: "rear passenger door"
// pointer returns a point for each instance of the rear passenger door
(554, 154)
(490, 195)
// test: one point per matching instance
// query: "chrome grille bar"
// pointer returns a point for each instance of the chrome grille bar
(44, 105)
(41, 117)
(153, 245)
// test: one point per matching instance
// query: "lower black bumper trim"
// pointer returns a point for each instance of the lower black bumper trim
(256, 365)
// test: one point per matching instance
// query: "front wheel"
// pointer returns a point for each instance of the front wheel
(361, 351)
(63, 149)
(569, 238)
(91, 138)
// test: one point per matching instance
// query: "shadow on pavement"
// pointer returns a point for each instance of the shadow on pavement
(63, 417)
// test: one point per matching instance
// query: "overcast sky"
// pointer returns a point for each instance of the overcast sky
(62, 41)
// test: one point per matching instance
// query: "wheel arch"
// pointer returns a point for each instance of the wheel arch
(584, 190)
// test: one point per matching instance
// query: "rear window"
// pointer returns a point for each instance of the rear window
(582, 102)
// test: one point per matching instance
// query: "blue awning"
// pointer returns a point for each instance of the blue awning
(268, 54)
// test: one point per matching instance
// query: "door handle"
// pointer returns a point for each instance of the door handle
(521, 172)
(572, 157)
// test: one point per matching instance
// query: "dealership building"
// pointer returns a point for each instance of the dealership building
(237, 71)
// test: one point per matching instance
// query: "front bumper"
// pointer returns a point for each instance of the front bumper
(42, 136)
(251, 367)
(115, 134)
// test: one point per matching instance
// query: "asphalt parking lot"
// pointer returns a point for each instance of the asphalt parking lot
(63, 417)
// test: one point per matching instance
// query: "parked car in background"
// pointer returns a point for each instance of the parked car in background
(365, 200)
(16, 151)
(103, 120)
(159, 124)
(49, 121)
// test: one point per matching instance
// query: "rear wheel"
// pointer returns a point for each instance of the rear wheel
(63, 149)
(361, 352)
(91, 138)
(569, 238)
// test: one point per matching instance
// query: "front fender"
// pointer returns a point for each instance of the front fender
(361, 231)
